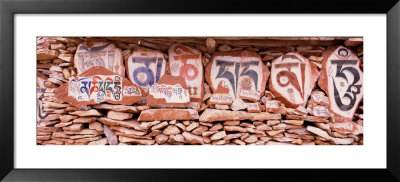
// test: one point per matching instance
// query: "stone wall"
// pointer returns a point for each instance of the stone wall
(199, 90)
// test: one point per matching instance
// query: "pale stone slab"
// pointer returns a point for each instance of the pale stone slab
(168, 114)
(211, 115)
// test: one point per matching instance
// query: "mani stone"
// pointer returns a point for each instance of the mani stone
(168, 114)
(211, 115)
(292, 79)
(320, 111)
(145, 67)
(97, 85)
(235, 71)
(342, 81)
(90, 54)
(254, 107)
(221, 96)
(272, 106)
(187, 63)
(170, 91)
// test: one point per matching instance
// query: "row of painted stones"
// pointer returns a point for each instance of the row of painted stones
(230, 75)
(60, 110)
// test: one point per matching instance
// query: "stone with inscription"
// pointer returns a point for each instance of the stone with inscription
(97, 85)
(221, 96)
(237, 71)
(90, 54)
(187, 62)
(292, 79)
(254, 107)
(251, 95)
(145, 67)
(342, 80)
(320, 111)
(272, 106)
(170, 91)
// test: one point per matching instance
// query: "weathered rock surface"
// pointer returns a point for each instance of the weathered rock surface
(169, 91)
(292, 79)
(97, 85)
(211, 115)
(236, 71)
(168, 114)
(343, 82)
(187, 62)
(90, 54)
(145, 67)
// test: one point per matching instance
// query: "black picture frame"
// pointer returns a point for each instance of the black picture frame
(9, 8)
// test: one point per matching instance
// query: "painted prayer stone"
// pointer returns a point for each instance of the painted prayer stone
(40, 89)
(320, 111)
(237, 70)
(90, 54)
(254, 107)
(272, 106)
(292, 79)
(342, 80)
(186, 62)
(221, 96)
(170, 91)
(98, 85)
(252, 95)
(145, 67)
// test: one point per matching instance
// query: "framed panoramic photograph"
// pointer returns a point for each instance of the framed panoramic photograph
(179, 91)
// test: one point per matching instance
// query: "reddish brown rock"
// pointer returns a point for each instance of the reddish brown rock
(98, 85)
(84, 120)
(272, 106)
(119, 115)
(105, 54)
(292, 79)
(145, 67)
(137, 141)
(218, 135)
(171, 130)
(254, 107)
(96, 126)
(319, 99)
(347, 128)
(307, 118)
(46, 54)
(200, 130)
(168, 114)
(235, 128)
(111, 136)
(251, 95)
(161, 138)
(294, 122)
(342, 80)
(320, 111)
(91, 112)
(193, 139)
(121, 108)
(221, 96)
(236, 71)
(169, 91)
(238, 104)
(211, 115)
(187, 62)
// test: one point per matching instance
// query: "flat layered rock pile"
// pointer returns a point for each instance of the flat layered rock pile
(199, 91)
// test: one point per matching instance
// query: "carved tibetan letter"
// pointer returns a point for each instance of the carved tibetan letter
(99, 54)
(145, 67)
(240, 71)
(186, 62)
(292, 79)
(342, 80)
